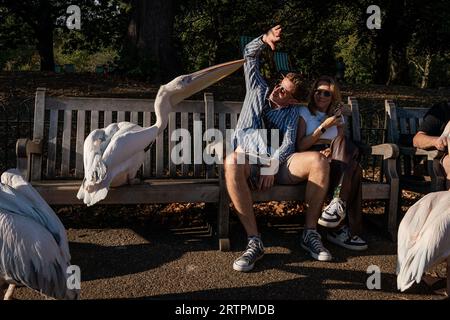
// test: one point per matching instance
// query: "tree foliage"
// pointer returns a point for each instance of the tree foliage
(159, 38)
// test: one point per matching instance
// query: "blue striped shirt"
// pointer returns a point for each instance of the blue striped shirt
(257, 114)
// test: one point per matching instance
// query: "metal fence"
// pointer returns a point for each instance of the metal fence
(16, 121)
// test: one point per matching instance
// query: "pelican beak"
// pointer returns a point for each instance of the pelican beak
(202, 79)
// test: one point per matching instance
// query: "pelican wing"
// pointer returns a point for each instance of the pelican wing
(414, 221)
(429, 236)
(33, 205)
(30, 256)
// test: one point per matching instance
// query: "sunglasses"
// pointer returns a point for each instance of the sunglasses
(324, 93)
(283, 90)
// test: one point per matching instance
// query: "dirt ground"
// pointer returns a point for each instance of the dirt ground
(173, 258)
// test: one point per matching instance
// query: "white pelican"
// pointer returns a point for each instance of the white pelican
(424, 239)
(34, 250)
(113, 155)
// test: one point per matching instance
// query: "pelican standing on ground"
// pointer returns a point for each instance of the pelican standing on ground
(113, 155)
(424, 239)
(34, 250)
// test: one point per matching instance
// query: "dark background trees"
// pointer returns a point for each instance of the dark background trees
(158, 39)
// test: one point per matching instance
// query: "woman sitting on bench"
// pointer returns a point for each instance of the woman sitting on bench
(321, 129)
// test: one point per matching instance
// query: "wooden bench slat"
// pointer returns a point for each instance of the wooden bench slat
(185, 125)
(172, 127)
(209, 123)
(233, 120)
(108, 118)
(198, 144)
(116, 104)
(52, 137)
(151, 191)
(147, 161)
(134, 117)
(120, 116)
(159, 155)
(412, 126)
(79, 172)
(67, 129)
(94, 120)
(403, 128)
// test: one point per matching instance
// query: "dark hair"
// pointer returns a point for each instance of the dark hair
(300, 91)
(335, 94)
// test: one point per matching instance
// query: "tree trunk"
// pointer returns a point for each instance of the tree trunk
(44, 45)
(398, 65)
(44, 36)
(149, 43)
(426, 71)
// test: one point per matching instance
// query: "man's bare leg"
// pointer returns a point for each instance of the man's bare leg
(236, 176)
(314, 167)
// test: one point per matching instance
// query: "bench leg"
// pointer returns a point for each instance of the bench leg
(224, 221)
(394, 197)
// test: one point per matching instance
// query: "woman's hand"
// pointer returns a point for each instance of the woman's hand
(332, 121)
(326, 152)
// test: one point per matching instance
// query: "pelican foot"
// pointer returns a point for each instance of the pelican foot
(9, 293)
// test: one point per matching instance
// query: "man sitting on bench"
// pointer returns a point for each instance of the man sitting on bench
(276, 110)
(434, 132)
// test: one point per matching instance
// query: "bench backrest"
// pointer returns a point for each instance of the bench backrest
(63, 123)
(402, 122)
(228, 114)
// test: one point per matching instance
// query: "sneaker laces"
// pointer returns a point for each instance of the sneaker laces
(313, 239)
(253, 249)
(336, 205)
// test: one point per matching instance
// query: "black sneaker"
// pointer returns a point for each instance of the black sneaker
(311, 242)
(343, 238)
(254, 252)
(333, 214)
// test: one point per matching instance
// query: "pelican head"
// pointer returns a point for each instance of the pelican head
(186, 85)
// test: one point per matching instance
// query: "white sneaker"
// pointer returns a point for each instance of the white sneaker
(333, 214)
(343, 238)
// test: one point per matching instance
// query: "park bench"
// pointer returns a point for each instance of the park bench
(388, 189)
(53, 159)
(419, 170)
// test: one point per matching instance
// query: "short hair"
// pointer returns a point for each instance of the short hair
(300, 91)
(335, 94)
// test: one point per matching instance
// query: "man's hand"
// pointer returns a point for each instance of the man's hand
(272, 37)
(441, 143)
(265, 182)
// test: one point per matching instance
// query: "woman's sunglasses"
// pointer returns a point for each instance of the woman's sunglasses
(324, 93)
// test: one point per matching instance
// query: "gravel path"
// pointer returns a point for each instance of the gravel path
(157, 262)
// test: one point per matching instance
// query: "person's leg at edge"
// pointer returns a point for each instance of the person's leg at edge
(236, 175)
(313, 167)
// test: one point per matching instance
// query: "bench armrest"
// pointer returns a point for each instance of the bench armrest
(24, 149)
(387, 150)
(430, 154)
